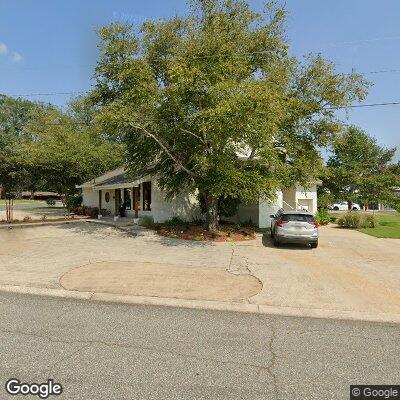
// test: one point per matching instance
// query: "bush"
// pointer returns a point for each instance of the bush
(73, 202)
(91, 212)
(27, 218)
(146, 220)
(357, 220)
(323, 217)
(50, 202)
(175, 221)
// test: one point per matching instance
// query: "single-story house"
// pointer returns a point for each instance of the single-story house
(141, 196)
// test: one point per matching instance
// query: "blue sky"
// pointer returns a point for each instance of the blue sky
(49, 46)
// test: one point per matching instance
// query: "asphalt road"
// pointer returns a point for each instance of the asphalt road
(109, 351)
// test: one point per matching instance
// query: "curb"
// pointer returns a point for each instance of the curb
(361, 316)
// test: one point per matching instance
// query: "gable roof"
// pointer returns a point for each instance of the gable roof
(117, 178)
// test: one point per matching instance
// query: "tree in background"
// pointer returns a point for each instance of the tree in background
(43, 148)
(216, 103)
(66, 151)
(360, 170)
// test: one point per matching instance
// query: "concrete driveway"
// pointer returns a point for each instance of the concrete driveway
(349, 272)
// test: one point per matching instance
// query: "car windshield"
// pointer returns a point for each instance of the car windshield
(298, 217)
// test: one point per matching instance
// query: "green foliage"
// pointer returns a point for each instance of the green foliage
(216, 103)
(357, 220)
(66, 153)
(323, 217)
(42, 148)
(50, 201)
(359, 170)
(389, 226)
(146, 220)
(227, 207)
(175, 221)
(73, 201)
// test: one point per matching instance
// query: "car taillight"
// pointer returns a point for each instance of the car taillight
(280, 222)
(315, 223)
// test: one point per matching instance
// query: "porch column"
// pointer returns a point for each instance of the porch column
(99, 201)
(136, 201)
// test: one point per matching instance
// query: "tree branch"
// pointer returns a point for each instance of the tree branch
(165, 148)
(193, 134)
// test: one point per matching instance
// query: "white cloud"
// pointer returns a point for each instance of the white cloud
(16, 57)
(3, 48)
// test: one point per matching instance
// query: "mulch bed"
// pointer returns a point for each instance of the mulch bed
(225, 233)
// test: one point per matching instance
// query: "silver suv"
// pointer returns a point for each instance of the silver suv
(294, 227)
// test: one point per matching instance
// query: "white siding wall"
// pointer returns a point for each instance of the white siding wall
(110, 206)
(184, 206)
(308, 197)
(90, 197)
(245, 213)
(267, 208)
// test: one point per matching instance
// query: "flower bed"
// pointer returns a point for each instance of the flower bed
(197, 232)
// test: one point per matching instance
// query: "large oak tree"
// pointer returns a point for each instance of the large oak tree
(217, 104)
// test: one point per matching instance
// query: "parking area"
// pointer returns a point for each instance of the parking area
(349, 271)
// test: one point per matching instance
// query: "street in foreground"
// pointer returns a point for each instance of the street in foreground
(109, 351)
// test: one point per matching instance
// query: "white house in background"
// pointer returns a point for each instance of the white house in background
(143, 197)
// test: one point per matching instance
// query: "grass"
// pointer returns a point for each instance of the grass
(23, 201)
(389, 226)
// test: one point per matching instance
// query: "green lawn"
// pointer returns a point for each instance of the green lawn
(24, 201)
(389, 226)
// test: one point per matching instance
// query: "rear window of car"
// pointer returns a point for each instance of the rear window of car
(297, 217)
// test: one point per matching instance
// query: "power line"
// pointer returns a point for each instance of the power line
(232, 114)
(365, 105)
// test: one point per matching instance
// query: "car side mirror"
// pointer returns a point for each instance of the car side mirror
(272, 216)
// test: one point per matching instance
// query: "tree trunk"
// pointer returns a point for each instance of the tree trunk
(211, 212)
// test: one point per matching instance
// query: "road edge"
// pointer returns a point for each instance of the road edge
(205, 305)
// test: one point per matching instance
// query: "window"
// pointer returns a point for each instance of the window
(127, 198)
(146, 196)
(107, 197)
(297, 217)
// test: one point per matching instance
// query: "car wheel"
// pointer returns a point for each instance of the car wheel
(314, 245)
(276, 242)
(336, 208)
(355, 209)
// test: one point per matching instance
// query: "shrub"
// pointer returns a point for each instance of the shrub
(104, 212)
(146, 220)
(323, 217)
(371, 221)
(27, 218)
(357, 220)
(50, 202)
(175, 221)
(73, 201)
(91, 212)
(247, 224)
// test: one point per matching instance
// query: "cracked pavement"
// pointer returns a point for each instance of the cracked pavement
(110, 351)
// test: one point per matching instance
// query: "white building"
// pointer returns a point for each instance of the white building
(142, 197)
